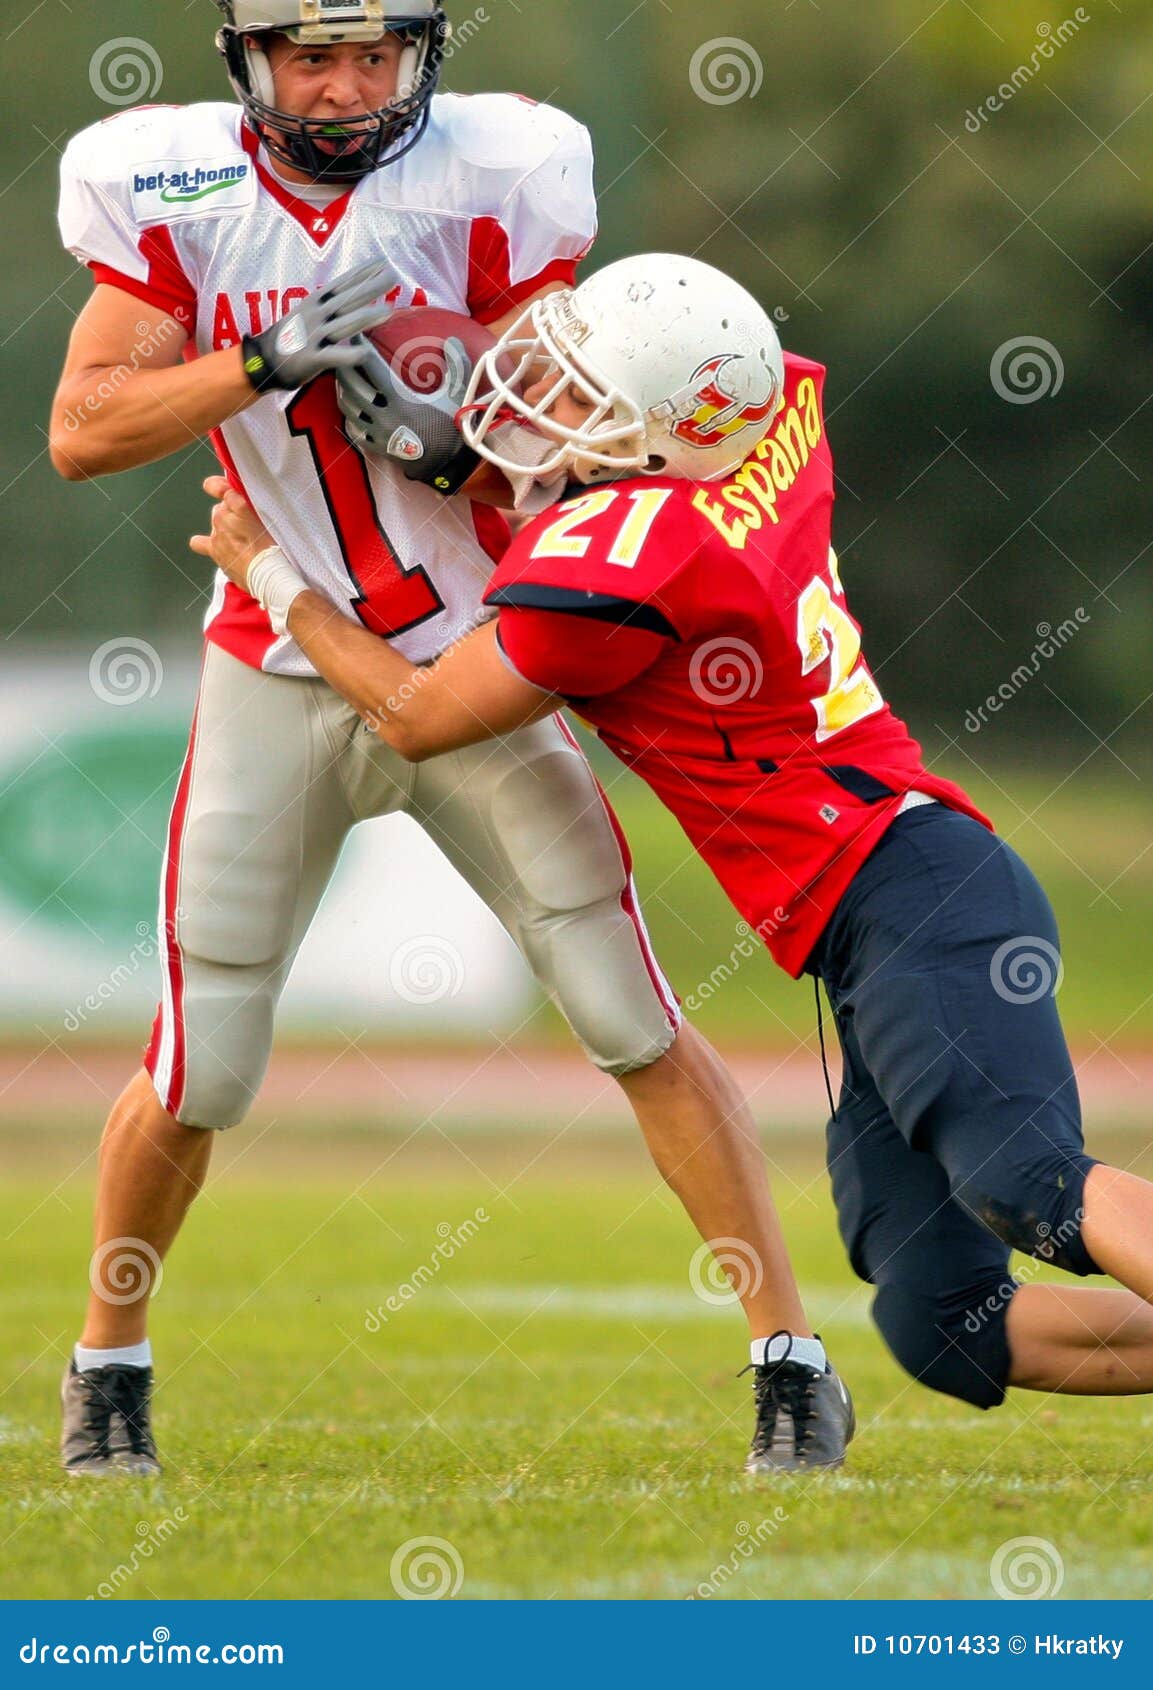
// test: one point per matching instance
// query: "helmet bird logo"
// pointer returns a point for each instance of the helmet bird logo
(715, 414)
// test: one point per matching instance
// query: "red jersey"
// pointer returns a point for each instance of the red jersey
(702, 629)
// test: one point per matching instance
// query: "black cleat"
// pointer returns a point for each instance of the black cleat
(107, 1428)
(805, 1419)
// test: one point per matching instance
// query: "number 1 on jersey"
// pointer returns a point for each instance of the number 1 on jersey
(389, 599)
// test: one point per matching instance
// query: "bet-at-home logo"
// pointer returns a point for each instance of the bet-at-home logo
(176, 185)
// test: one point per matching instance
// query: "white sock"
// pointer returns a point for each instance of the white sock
(809, 1351)
(132, 1355)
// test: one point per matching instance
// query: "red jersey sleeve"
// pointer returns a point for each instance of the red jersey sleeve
(575, 656)
(166, 285)
(592, 592)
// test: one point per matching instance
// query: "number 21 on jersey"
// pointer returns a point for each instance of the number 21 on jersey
(561, 539)
(826, 632)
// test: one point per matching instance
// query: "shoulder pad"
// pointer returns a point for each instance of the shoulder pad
(135, 138)
(503, 132)
(162, 162)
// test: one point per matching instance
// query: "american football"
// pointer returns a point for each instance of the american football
(412, 341)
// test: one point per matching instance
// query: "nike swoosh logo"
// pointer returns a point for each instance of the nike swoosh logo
(202, 193)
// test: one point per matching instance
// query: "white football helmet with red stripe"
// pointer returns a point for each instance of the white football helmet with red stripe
(681, 368)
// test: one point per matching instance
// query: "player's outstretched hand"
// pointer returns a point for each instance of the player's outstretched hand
(387, 417)
(238, 535)
(314, 336)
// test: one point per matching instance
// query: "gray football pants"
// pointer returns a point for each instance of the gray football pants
(278, 770)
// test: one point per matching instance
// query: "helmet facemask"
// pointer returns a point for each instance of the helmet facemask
(325, 149)
(543, 345)
(681, 368)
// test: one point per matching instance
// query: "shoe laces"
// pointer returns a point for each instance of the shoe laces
(127, 1394)
(779, 1385)
(98, 1400)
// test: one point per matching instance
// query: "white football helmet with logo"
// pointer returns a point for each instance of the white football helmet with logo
(682, 369)
(329, 151)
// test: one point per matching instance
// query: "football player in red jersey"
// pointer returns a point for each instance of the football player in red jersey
(684, 597)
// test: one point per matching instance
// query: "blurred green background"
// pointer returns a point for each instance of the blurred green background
(846, 164)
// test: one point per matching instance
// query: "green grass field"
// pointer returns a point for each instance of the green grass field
(554, 1402)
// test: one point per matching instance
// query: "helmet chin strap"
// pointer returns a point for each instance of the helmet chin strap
(408, 71)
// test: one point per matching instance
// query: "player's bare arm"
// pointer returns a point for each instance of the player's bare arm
(126, 398)
(469, 694)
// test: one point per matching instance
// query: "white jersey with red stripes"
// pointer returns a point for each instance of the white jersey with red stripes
(180, 206)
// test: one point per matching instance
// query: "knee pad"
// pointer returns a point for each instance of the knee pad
(210, 1048)
(556, 831)
(595, 966)
(958, 1349)
(1037, 1210)
(566, 892)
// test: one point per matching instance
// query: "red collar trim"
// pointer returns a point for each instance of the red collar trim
(320, 222)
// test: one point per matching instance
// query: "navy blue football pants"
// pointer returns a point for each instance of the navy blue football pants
(957, 1135)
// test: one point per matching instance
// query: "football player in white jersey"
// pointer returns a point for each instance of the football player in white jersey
(235, 248)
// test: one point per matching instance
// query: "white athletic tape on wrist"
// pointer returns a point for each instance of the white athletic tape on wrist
(275, 583)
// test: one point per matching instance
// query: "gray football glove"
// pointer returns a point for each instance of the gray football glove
(307, 342)
(386, 418)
